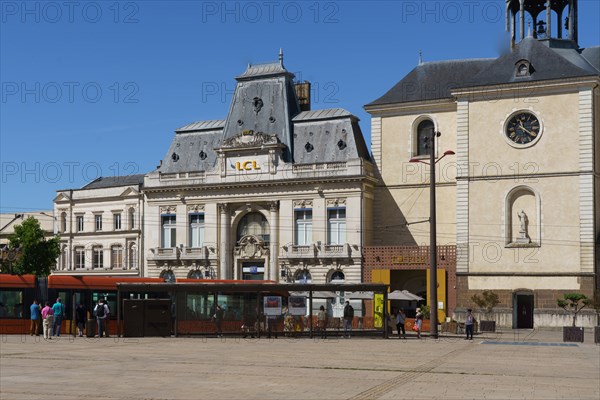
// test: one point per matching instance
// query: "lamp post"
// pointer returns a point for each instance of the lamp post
(433, 307)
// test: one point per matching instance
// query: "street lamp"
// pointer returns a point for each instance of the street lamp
(433, 308)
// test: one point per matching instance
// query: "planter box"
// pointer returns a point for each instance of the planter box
(597, 334)
(572, 334)
(487, 326)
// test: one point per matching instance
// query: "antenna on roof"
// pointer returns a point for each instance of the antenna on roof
(420, 57)
(280, 57)
(529, 34)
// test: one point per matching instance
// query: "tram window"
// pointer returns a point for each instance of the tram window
(11, 304)
(199, 306)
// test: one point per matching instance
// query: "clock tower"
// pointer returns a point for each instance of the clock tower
(554, 21)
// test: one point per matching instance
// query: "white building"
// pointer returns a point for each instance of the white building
(100, 226)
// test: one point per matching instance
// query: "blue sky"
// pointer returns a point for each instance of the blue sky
(97, 88)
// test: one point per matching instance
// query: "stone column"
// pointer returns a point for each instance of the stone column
(549, 19)
(224, 243)
(274, 235)
(522, 19)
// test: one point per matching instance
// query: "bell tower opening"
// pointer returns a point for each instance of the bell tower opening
(550, 21)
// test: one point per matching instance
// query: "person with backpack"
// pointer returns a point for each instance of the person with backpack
(101, 311)
(348, 319)
(400, 320)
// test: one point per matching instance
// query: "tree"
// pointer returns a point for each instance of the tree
(488, 300)
(37, 254)
(574, 302)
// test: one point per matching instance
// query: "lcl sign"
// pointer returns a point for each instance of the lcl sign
(247, 165)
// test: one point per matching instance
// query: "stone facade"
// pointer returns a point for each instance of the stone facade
(519, 198)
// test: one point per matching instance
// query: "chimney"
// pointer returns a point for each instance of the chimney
(303, 94)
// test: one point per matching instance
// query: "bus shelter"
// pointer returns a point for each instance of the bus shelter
(206, 308)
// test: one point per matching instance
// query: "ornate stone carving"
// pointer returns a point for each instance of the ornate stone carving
(195, 208)
(257, 103)
(250, 138)
(336, 202)
(303, 203)
(250, 247)
(223, 207)
(168, 209)
(274, 206)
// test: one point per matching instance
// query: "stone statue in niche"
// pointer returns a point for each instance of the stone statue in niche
(523, 236)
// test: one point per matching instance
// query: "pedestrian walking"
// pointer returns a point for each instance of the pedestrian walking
(400, 320)
(469, 322)
(80, 317)
(101, 311)
(48, 319)
(218, 318)
(35, 314)
(322, 322)
(419, 322)
(348, 319)
(59, 313)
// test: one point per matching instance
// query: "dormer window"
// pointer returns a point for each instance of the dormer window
(523, 69)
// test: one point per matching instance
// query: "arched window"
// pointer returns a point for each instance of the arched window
(168, 276)
(255, 224)
(195, 274)
(63, 222)
(337, 276)
(302, 276)
(424, 131)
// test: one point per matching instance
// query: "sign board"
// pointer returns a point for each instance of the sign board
(297, 305)
(272, 305)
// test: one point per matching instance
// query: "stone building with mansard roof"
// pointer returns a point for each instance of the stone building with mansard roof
(274, 191)
(518, 205)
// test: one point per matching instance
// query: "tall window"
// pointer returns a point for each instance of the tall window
(80, 223)
(424, 132)
(132, 261)
(132, 218)
(79, 257)
(256, 224)
(117, 220)
(116, 257)
(336, 226)
(98, 221)
(97, 257)
(63, 222)
(303, 227)
(168, 222)
(196, 230)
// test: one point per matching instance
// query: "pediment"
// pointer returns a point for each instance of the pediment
(62, 197)
(130, 192)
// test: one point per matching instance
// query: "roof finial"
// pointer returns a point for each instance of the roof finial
(420, 57)
(529, 34)
(280, 57)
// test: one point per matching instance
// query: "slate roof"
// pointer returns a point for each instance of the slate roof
(262, 70)
(331, 135)
(192, 151)
(200, 126)
(114, 181)
(436, 80)
(432, 81)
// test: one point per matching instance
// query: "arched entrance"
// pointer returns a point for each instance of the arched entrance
(252, 244)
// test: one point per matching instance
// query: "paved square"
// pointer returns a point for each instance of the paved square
(336, 368)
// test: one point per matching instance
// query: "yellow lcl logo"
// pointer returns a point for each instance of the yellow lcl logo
(247, 166)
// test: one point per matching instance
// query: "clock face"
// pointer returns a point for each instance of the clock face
(523, 128)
